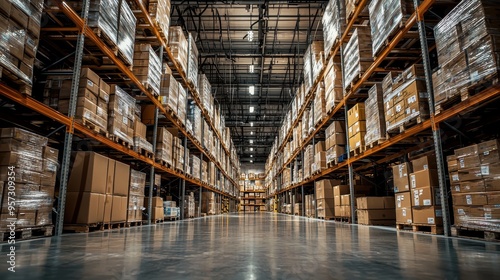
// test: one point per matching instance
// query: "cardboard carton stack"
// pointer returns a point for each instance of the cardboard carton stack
(297, 209)
(103, 197)
(156, 208)
(189, 206)
(136, 196)
(376, 210)
(319, 104)
(169, 90)
(178, 154)
(356, 121)
(385, 18)
(313, 59)
(179, 46)
(28, 169)
(147, 67)
(170, 208)
(333, 23)
(342, 198)
(126, 32)
(375, 118)
(335, 141)
(194, 116)
(192, 72)
(319, 157)
(308, 160)
(182, 104)
(475, 185)
(403, 198)
(206, 97)
(159, 10)
(405, 98)
(310, 206)
(204, 171)
(305, 124)
(164, 145)
(121, 115)
(194, 163)
(20, 29)
(324, 198)
(426, 200)
(140, 142)
(467, 48)
(333, 85)
(357, 55)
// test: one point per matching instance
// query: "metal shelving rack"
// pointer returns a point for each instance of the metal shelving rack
(432, 124)
(85, 34)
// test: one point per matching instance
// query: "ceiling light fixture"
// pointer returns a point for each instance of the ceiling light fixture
(251, 149)
(252, 109)
(251, 161)
(251, 90)
(250, 35)
(251, 132)
(251, 68)
(251, 155)
(251, 123)
(251, 141)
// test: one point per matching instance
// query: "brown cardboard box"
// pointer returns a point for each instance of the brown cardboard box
(428, 215)
(345, 199)
(367, 216)
(139, 128)
(119, 210)
(110, 178)
(426, 196)
(401, 177)
(491, 212)
(157, 201)
(469, 162)
(157, 213)
(108, 208)
(338, 210)
(490, 170)
(84, 208)
(340, 190)
(371, 202)
(473, 199)
(324, 188)
(424, 178)
(488, 146)
(121, 180)
(356, 113)
(345, 211)
(467, 151)
(489, 157)
(389, 202)
(469, 186)
(452, 163)
(403, 208)
(337, 139)
(424, 163)
(88, 173)
(493, 198)
(50, 153)
(357, 127)
(319, 147)
(357, 141)
(491, 185)
(337, 200)
(469, 174)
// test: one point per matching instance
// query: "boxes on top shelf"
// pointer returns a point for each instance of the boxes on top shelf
(192, 67)
(357, 55)
(333, 23)
(121, 115)
(159, 10)
(179, 46)
(375, 118)
(147, 67)
(126, 32)
(313, 62)
(333, 85)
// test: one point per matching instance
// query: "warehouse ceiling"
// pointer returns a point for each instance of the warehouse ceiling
(232, 36)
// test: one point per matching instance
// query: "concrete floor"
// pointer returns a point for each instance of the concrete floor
(253, 246)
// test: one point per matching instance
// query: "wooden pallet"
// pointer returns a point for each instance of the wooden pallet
(405, 125)
(357, 151)
(120, 141)
(342, 219)
(327, 218)
(446, 104)
(92, 126)
(134, 224)
(106, 39)
(473, 233)
(27, 233)
(421, 228)
(15, 82)
(172, 218)
(83, 228)
(404, 227)
(144, 152)
(375, 143)
(379, 223)
(113, 225)
(150, 88)
(157, 221)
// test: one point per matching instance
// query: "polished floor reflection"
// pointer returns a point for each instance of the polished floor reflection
(252, 246)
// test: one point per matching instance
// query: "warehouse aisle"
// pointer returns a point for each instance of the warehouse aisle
(253, 246)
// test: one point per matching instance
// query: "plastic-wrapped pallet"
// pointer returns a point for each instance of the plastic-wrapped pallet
(103, 14)
(194, 162)
(312, 57)
(194, 115)
(333, 23)
(35, 166)
(385, 18)
(121, 115)
(305, 124)
(192, 70)
(374, 111)
(206, 93)
(164, 146)
(159, 10)
(126, 32)
(319, 104)
(136, 195)
(147, 67)
(333, 85)
(357, 55)
(182, 104)
(179, 46)
(467, 47)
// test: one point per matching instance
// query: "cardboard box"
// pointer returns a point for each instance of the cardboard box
(337, 139)
(488, 146)
(345, 211)
(89, 173)
(50, 153)
(403, 208)
(424, 178)
(426, 196)
(367, 216)
(356, 113)
(337, 200)
(340, 190)
(324, 188)
(84, 208)
(401, 177)
(319, 147)
(424, 163)
(493, 198)
(357, 141)
(157, 213)
(139, 128)
(428, 215)
(489, 157)
(452, 163)
(119, 210)
(345, 199)
(491, 212)
(467, 151)
(157, 202)
(371, 202)
(470, 174)
(121, 180)
(108, 208)
(110, 178)
(491, 185)
(469, 162)
(470, 186)
(472, 199)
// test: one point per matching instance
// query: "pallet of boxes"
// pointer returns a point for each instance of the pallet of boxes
(342, 199)
(208, 203)
(171, 211)
(324, 199)
(418, 198)
(335, 143)
(189, 206)
(319, 163)
(356, 121)
(310, 206)
(28, 169)
(136, 198)
(101, 200)
(475, 186)
(373, 210)
(157, 211)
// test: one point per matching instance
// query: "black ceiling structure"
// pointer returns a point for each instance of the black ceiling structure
(269, 36)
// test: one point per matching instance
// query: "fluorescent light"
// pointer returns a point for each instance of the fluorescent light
(251, 141)
(250, 35)
(251, 155)
(251, 149)
(251, 68)
(251, 123)
(251, 132)
(251, 90)
(251, 161)
(252, 109)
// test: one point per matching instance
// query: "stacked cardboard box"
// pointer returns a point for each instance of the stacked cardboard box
(310, 206)
(194, 163)
(319, 157)
(475, 185)
(169, 90)
(179, 46)
(342, 198)
(335, 141)
(121, 115)
(126, 32)
(28, 169)
(194, 116)
(324, 198)
(426, 200)
(156, 208)
(319, 104)
(92, 98)
(20, 29)
(313, 59)
(405, 98)
(189, 206)
(357, 55)
(164, 145)
(182, 104)
(147, 67)
(401, 179)
(136, 196)
(170, 209)
(375, 118)
(204, 171)
(208, 203)
(333, 23)
(286, 178)
(297, 209)
(206, 96)
(386, 17)
(376, 210)
(308, 160)
(467, 47)
(192, 72)
(159, 11)
(140, 142)
(333, 85)
(103, 197)
(356, 121)
(178, 155)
